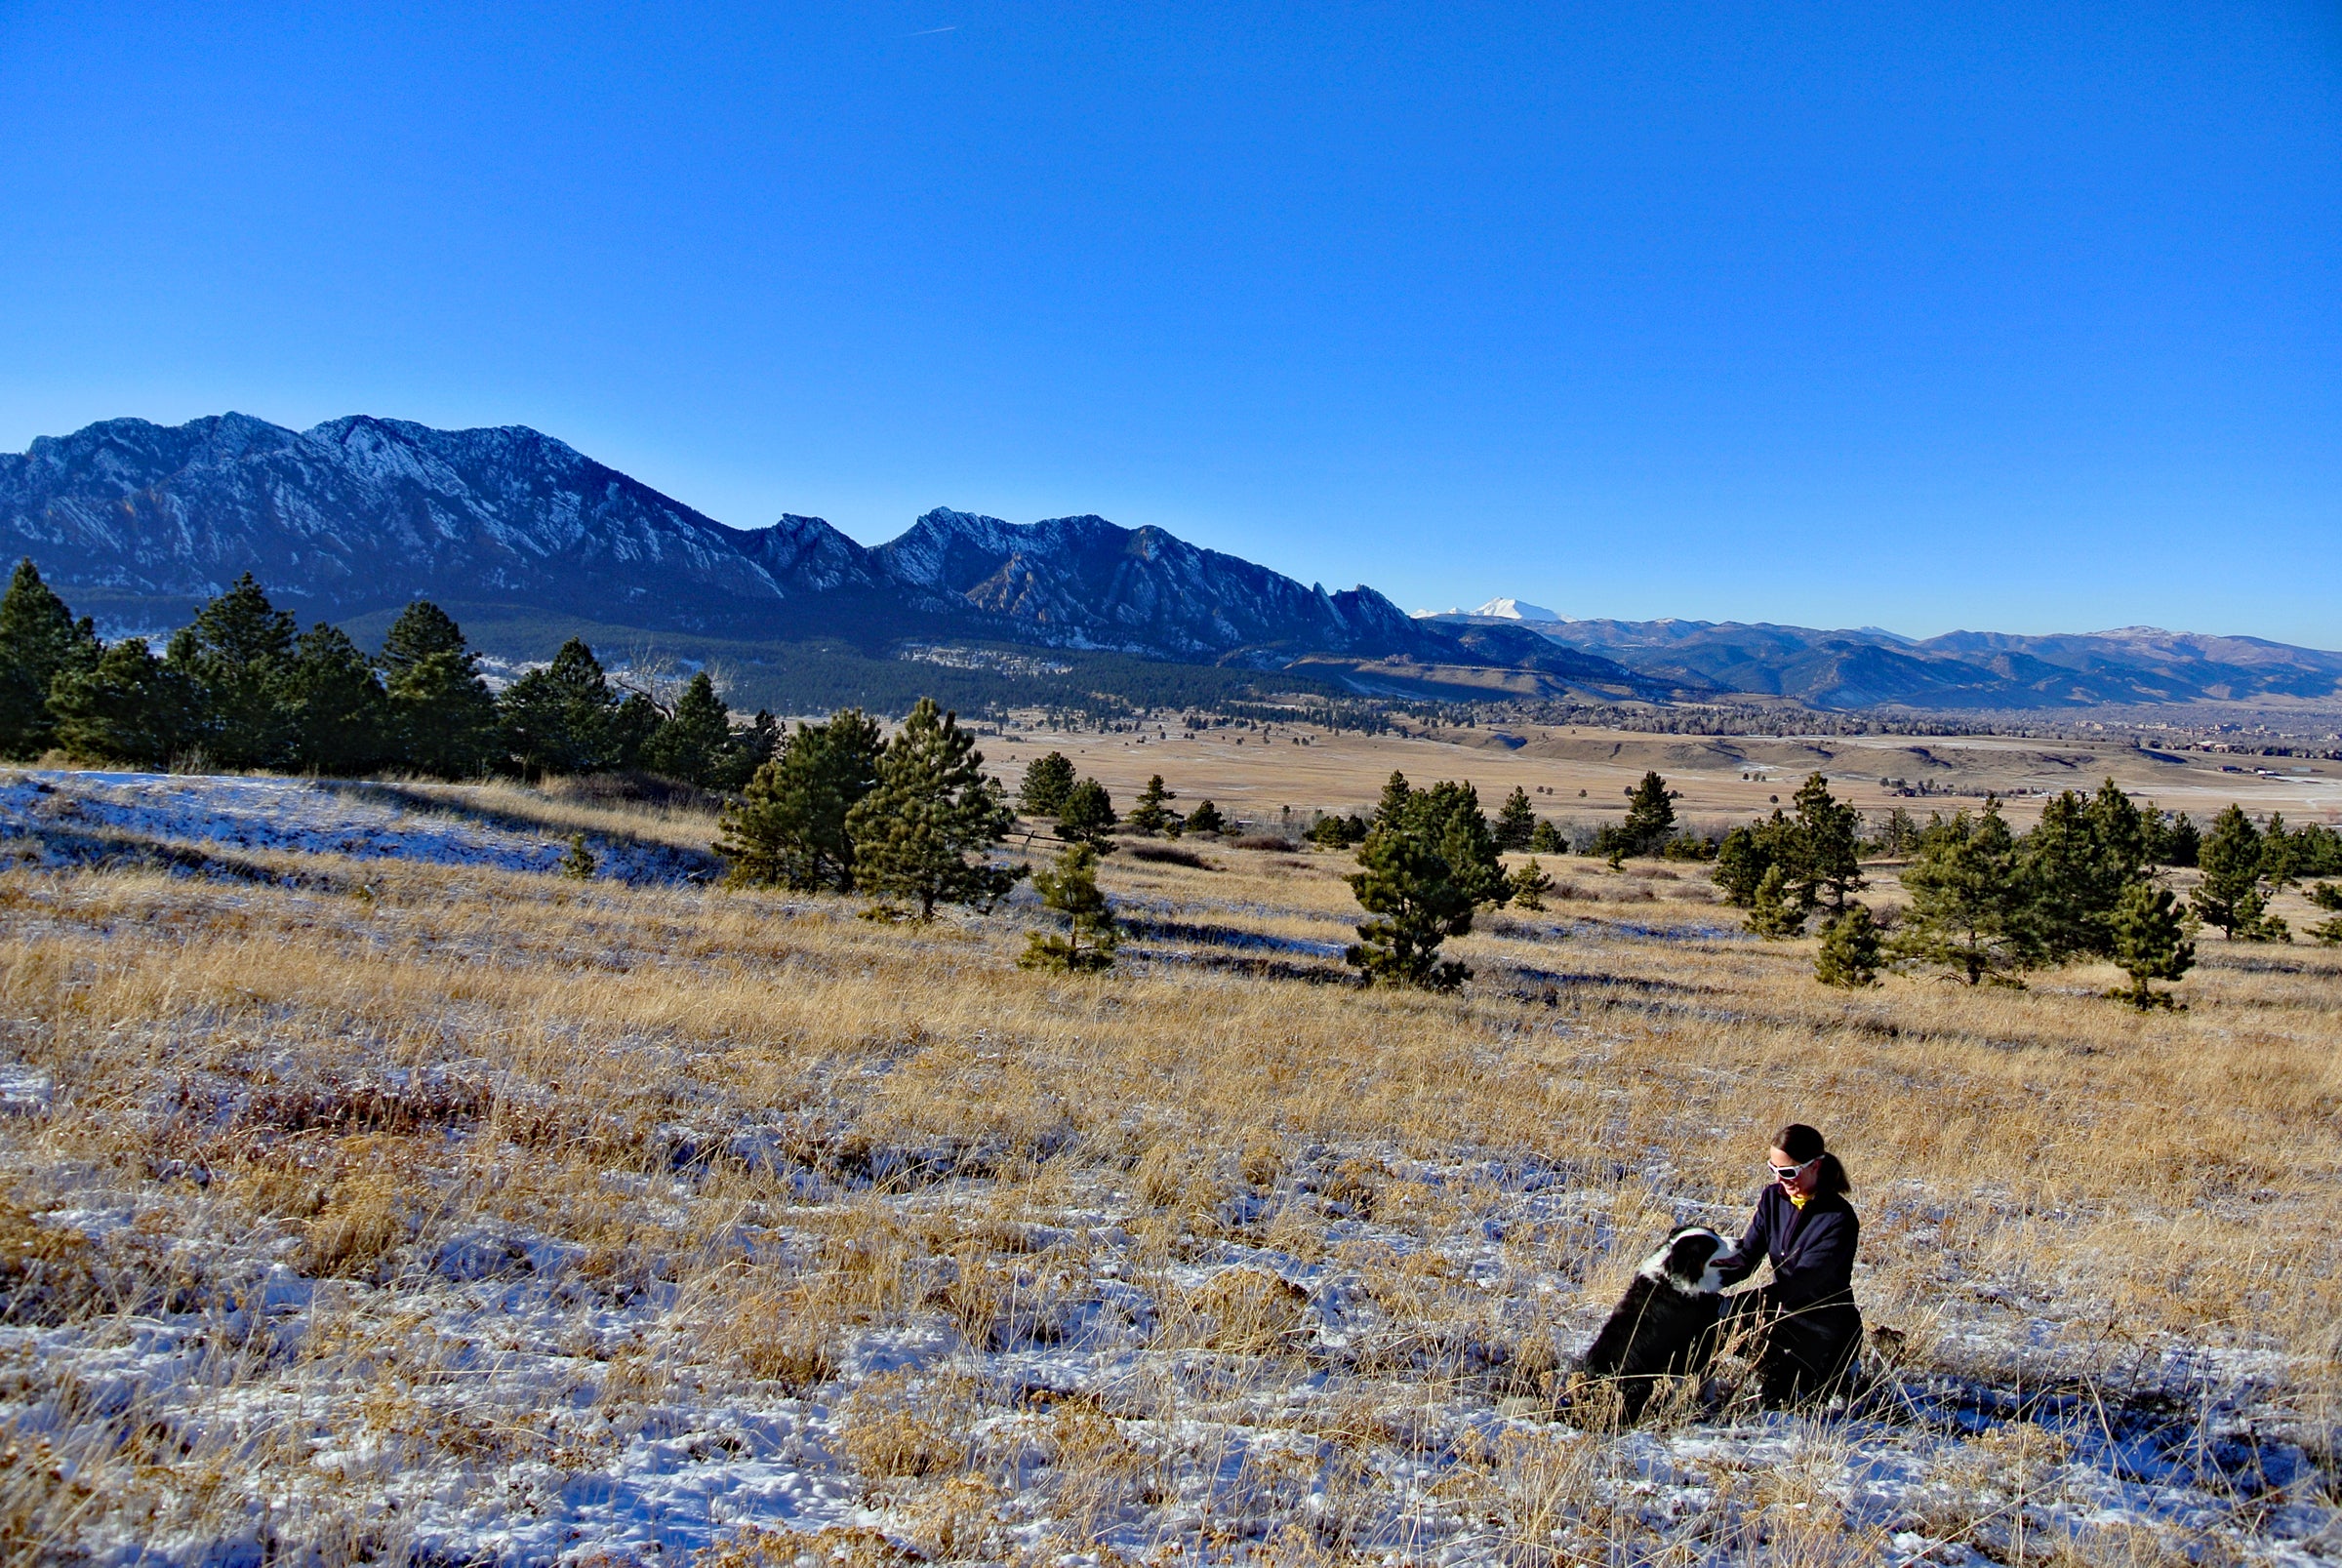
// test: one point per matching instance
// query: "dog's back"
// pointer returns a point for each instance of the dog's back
(1665, 1324)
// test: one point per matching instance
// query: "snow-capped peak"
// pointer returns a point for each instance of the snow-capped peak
(1516, 610)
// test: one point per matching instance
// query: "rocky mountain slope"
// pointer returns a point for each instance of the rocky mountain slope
(138, 522)
(361, 514)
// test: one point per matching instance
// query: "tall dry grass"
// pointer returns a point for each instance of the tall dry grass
(478, 1181)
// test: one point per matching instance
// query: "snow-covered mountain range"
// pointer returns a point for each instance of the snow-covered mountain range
(361, 513)
(137, 522)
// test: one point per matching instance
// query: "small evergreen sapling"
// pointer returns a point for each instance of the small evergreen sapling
(579, 865)
(1416, 903)
(2150, 943)
(1153, 814)
(1530, 885)
(1546, 839)
(1850, 953)
(1206, 818)
(2327, 896)
(1070, 888)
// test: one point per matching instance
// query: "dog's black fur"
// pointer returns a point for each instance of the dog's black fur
(1666, 1325)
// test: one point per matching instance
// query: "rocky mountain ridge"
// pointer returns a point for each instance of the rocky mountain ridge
(138, 522)
(361, 514)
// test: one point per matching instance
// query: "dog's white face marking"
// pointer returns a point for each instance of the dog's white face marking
(1655, 1267)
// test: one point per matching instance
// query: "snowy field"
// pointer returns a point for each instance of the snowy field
(467, 1214)
(65, 817)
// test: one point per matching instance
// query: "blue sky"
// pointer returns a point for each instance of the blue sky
(2018, 317)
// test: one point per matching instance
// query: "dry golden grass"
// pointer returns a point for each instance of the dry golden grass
(561, 1171)
(1721, 778)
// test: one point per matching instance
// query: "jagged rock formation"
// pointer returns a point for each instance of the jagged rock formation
(362, 514)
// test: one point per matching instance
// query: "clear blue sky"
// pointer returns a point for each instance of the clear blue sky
(2019, 317)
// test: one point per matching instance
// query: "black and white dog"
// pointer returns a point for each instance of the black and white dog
(1666, 1324)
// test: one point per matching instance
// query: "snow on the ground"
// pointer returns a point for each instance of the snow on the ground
(79, 816)
(535, 1459)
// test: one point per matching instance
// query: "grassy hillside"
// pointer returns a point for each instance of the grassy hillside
(389, 1211)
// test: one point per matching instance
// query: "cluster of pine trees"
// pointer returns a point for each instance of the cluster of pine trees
(910, 819)
(1988, 903)
(243, 687)
(1084, 811)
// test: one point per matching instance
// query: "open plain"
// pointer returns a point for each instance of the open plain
(1722, 778)
(372, 1207)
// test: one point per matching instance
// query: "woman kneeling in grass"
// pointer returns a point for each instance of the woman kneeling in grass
(1805, 1326)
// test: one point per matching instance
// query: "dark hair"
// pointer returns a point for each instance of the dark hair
(1800, 1143)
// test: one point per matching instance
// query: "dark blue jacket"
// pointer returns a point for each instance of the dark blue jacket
(1812, 1252)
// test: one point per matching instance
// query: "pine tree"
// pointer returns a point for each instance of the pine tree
(1742, 861)
(1850, 948)
(633, 723)
(1516, 820)
(1398, 800)
(39, 640)
(2181, 841)
(1206, 818)
(1448, 820)
(1530, 885)
(1046, 784)
(2229, 896)
(443, 718)
(1650, 816)
(1773, 909)
(789, 828)
(2148, 936)
(1824, 864)
(1546, 839)
(1086, 816)
(236, 656)
(1151, 815)
(932, 808)
(748, 749)
(420, 631)
(2327, 896)
(1070, 889)
(129, 707)
(1969, 908)
(1417, 905)
(557, 718)
(2281, 853)
(1898, 835)
(690, 746)
(340, 714)
(2077, 863)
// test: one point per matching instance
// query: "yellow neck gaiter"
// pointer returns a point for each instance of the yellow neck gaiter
(1798, 1198)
